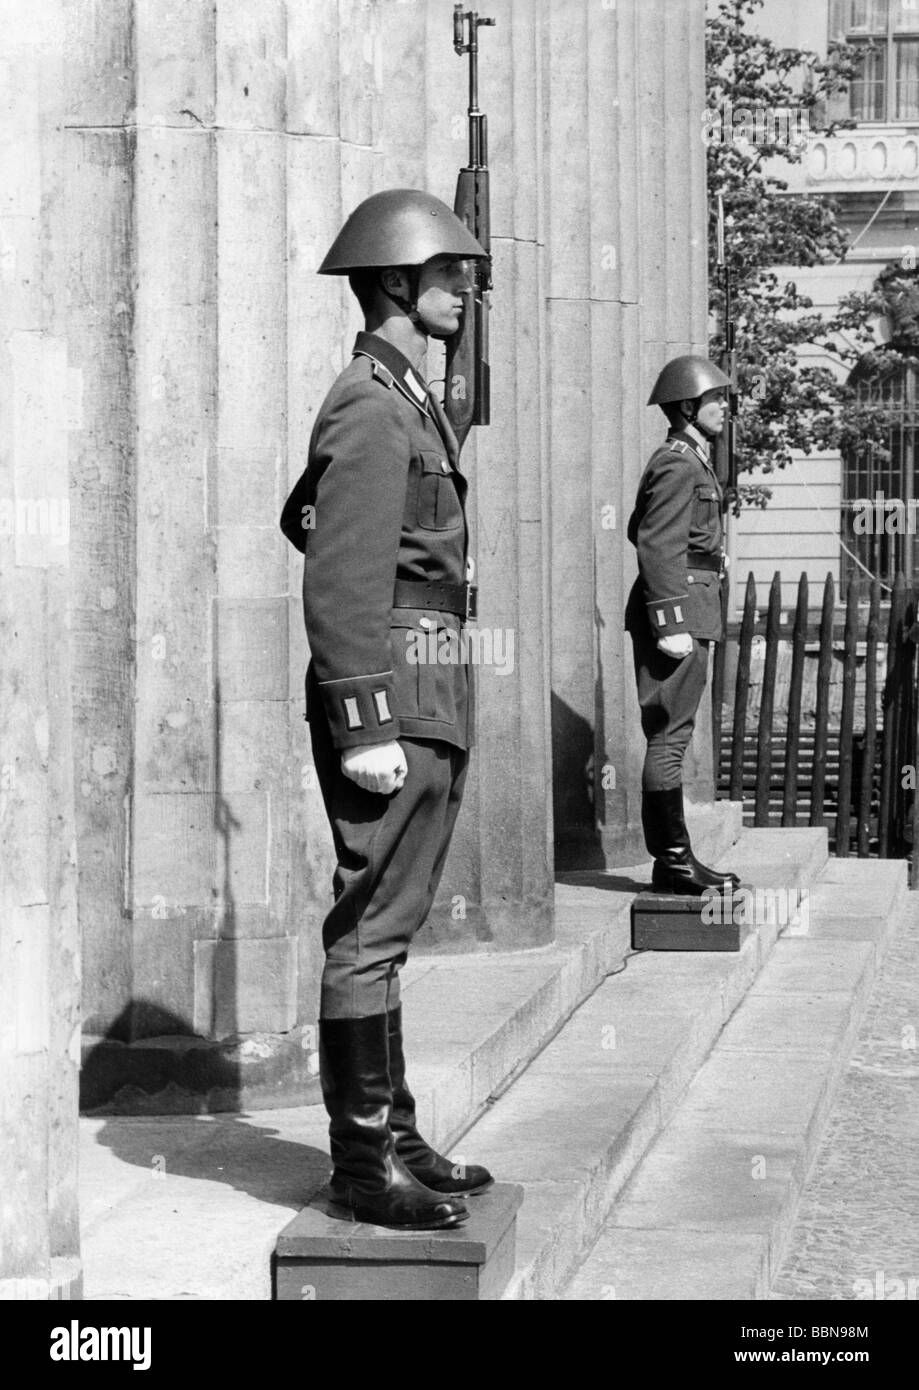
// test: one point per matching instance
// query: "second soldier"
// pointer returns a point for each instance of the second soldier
(674, 609)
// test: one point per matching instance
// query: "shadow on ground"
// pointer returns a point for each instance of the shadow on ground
(597, 878)
(246, 1156)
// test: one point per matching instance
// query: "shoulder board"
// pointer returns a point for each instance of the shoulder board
(409, 386)
(664, 451)
(381, 373)
(377, 371)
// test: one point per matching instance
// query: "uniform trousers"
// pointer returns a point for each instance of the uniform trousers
(669, 691)
(391, 852)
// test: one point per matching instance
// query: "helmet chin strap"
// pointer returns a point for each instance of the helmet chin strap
(694, 420)
(409, 306)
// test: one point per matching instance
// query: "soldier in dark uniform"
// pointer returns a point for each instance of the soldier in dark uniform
(674, 609)
(379, 513)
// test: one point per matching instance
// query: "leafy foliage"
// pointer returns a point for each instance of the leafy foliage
(790, 398)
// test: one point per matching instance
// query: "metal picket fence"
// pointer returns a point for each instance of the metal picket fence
(815, 721)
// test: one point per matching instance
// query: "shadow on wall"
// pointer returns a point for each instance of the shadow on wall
(179, 1073)
(154, 1060)
(577, 838)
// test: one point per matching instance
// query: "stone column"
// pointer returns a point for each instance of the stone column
(40, 401)
(398, 119)
(97, 255)
(497, 887)
(214, 985)
(624, 180)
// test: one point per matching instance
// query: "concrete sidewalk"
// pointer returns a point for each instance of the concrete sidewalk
(710, 1209)
(856, 1235)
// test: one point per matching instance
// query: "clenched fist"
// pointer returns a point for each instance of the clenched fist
(677, 647)
(376, 767)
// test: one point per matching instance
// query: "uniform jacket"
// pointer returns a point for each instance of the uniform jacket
(388, 503)
(678, 510)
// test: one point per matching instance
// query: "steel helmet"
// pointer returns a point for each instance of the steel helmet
(401, 226)
(685, 379)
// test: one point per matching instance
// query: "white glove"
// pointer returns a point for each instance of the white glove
(376, 767)
(678, 646)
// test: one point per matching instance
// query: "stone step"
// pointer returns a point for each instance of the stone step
(709, 1210)
(514, 1003)
(473, 1025)
(576, 1121)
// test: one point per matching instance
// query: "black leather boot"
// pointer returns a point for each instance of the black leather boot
(369, 1178)
(423, 1162)
(676, 868)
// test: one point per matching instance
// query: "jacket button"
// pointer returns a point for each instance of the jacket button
(690, 578)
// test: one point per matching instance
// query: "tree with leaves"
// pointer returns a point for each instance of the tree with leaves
(790, 400)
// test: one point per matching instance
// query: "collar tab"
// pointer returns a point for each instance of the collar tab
(393, 368)
(417, 388)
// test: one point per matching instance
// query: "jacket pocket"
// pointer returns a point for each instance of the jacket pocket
(427, 662)
(439, 507)
(706, 509)
(703, 604)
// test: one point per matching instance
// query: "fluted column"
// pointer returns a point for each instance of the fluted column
(215, 944)
(41, 403)
(98, 246)
(625, 181)
(497, 887)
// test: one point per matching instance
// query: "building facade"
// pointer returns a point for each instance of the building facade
(872, 171)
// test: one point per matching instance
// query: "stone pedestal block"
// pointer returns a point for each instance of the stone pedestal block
(679, 922)
(321, 1257)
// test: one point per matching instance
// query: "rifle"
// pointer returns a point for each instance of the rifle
(726, 448)
(467, 389)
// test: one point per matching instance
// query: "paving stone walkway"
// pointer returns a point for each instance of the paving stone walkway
(857, 1228)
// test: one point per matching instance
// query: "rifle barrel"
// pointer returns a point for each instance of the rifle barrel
(466, 399)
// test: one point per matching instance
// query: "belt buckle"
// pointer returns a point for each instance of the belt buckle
(472, 602)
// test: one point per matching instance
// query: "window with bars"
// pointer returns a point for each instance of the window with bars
(889, 544)
(887, 88)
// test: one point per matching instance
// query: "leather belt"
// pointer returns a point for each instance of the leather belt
(702, 560)
(460, 599)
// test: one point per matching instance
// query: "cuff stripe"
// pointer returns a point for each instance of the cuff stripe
(352, 713)
(382, 704)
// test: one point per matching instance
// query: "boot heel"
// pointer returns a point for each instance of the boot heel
(423, 1162)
